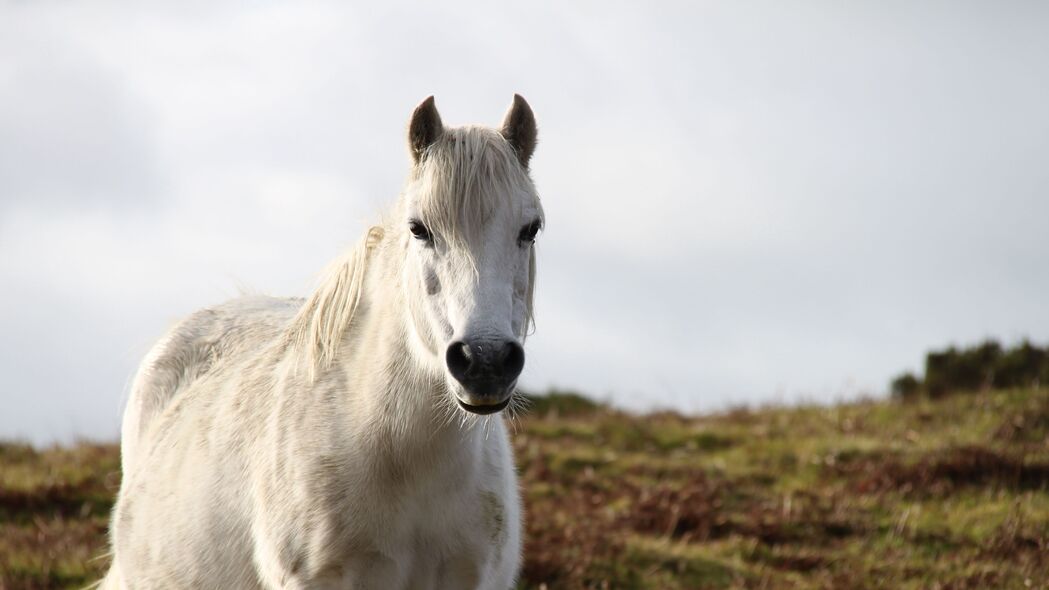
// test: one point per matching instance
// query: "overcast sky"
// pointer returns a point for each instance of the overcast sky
(746, 202)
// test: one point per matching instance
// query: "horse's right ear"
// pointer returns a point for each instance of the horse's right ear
(519, 129)
(424, 128)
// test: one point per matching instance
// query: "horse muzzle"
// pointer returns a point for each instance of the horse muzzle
(487, 370)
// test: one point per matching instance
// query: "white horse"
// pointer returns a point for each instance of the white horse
(342, 441)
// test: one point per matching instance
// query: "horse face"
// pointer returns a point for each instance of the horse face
(474, 307)
(470, 258)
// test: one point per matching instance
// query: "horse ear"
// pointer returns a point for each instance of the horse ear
(424, 128)
(519, 129)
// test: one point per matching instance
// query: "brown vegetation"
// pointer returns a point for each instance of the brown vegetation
(949, 493)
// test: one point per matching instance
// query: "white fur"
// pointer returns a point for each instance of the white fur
(282, 443)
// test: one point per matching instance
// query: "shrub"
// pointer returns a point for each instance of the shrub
(905, 386)
(1022, 366)
(966, 370)
(976, 367)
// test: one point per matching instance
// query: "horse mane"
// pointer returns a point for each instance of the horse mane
(318, 327)
(458, 180)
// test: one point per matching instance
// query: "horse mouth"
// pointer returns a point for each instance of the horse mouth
(485, 408)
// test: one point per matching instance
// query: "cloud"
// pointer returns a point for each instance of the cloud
(742, 204)
(71, 134)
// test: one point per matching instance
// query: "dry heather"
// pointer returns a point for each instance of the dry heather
(951, 493)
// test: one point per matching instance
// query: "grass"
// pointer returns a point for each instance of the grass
(947, 493)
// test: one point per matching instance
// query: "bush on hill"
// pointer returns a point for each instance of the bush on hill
(983, 366)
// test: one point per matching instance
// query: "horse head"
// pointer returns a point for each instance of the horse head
(469, 217)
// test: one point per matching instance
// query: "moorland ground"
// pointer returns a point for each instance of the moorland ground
(947, 493)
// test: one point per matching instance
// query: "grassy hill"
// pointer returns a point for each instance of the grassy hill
(951, 493)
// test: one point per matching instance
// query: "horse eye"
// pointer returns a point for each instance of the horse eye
(529, 232)
(419, 230)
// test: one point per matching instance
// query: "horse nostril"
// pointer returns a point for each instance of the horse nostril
(459, 359)
(513, 360)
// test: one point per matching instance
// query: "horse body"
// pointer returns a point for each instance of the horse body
(283, 443)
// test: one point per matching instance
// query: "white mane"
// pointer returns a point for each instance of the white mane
(318, 328)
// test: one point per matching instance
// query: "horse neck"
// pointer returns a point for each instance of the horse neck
(406, 403)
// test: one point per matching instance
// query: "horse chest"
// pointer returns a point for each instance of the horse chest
(442, 510)
(436, 532)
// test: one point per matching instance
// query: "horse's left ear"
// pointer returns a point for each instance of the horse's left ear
(519, 129)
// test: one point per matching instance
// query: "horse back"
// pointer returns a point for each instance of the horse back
(190, 350)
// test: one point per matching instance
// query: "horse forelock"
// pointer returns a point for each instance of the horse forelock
(465, 177)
